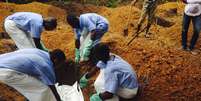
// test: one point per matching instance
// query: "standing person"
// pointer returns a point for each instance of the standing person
(149, 8)
(25, 29)
(88, 29)
(192, 12)
(32, 73)
(116, 81)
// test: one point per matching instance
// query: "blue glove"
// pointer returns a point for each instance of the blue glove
(77, 55)
(95, 97)
(83, 81)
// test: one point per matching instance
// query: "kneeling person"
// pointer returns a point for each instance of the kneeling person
(116, 80)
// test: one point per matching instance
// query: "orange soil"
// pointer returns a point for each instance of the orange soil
(165, 73)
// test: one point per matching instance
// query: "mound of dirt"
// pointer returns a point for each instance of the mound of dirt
(9, 94)
(165, 73)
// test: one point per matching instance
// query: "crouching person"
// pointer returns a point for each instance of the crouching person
(67, 74)
(116, 82)
(25, 29)
(31, 72)
(89, 28)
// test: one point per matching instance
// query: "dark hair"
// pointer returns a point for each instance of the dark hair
(50, 23)
(58, 55)
(73, 20)
(102, 52)
(67, 73)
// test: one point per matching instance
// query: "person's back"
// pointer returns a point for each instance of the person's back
(33, 62)
(121, 70)
(89, 28)
(91, 20)
(28, 20)
(128, 76)
(24, 28)
(31, 72)
(116, 79)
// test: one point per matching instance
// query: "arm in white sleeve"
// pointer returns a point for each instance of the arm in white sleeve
(194, 1)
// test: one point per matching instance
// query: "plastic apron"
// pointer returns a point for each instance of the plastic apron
(123, 92)
(70, 93)
(84, 42)
(99, 85)
(21, 38)
(30, 87)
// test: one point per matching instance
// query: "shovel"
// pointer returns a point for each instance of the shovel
(136, 35)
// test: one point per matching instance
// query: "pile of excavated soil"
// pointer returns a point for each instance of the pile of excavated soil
(165, 72)
(9, 94)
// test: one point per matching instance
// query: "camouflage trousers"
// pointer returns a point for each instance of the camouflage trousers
(149, 8)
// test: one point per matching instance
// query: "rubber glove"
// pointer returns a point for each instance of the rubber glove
(95, 97)
(43, 47)
(86, 50)
(77, 55)
(83, 81)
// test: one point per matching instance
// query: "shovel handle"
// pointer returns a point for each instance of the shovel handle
(136, 35)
